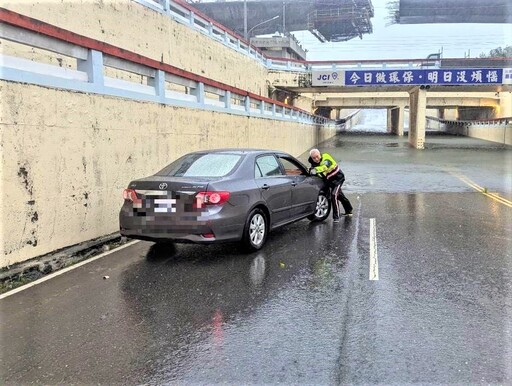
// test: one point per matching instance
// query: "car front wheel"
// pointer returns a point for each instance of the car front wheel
(322, 208)
(256, 230)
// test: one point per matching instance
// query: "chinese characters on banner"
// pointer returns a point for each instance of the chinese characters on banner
(424, 77)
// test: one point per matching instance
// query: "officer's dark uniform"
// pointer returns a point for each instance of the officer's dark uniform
(331, 173)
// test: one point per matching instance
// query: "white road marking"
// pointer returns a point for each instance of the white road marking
(60, 272)
(374, 261)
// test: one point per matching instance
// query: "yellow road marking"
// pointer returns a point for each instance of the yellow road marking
(494, 196)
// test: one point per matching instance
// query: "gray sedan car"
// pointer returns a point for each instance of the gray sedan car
(222, 195)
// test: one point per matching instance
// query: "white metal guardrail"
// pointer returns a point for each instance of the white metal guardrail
(476, 122)
(147, 79)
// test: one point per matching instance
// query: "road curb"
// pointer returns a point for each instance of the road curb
(22, 273)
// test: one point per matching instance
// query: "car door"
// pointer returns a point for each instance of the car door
(304, 193)
(275, 187)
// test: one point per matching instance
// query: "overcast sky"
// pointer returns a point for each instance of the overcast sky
(410, 41)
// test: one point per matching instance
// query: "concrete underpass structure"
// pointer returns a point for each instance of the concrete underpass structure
(443, 105)
(346, 89)
(91, 105)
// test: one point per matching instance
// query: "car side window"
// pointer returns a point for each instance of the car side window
(267, 166)
(291, 168)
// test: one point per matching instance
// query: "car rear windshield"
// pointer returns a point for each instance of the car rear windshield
(202, 165)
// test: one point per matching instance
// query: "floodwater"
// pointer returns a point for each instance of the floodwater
(307, 308)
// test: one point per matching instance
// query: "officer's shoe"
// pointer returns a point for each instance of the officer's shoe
(349, 214)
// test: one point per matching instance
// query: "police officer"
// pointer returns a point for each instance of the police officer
(323, 165)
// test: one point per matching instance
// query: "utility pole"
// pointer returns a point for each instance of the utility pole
(245, 19)
(284, 18)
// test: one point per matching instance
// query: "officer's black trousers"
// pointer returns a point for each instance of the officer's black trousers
(337, 195)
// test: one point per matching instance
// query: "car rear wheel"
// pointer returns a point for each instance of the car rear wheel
(322, 209)
(256, 230)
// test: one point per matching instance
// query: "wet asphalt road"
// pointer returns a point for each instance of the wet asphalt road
(302, 310)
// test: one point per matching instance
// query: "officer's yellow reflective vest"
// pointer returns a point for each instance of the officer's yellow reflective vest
(328, 166)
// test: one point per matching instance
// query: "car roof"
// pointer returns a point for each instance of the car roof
(238, 151)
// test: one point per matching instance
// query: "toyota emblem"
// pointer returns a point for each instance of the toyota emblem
(163, 186)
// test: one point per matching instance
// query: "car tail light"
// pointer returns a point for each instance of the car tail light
(131, 195)
(211, 198)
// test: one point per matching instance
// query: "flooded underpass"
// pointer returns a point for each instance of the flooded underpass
(307, 308)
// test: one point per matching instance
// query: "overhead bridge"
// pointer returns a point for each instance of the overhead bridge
(328, 20)
(333, 88)
(449, 105)
(393, 99)
(451, 11)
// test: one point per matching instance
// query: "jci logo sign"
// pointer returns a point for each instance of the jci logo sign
(328, 78)
(332, 76)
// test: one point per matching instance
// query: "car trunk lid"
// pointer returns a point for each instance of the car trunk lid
(166, 195)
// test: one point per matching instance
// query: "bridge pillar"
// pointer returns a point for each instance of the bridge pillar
(417, 117)
(396, 120)
(505, 105)
(450, 114)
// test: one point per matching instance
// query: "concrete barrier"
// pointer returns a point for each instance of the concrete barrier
(67, 156)
(72, 138)
(497, 130)
(151, 34)
(494, 132)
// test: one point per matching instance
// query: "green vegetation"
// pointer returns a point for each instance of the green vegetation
(498, 53)
(14, 283)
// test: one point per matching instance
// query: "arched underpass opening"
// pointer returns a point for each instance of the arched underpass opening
(393, 125)
(382, 121)
(369, 121)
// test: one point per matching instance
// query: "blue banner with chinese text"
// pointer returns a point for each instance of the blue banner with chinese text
(424, 77)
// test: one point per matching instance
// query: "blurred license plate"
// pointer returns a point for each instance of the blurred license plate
(165, 205)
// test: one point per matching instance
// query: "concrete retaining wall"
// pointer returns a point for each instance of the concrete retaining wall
(67, 156)
(134, 27)
(499, 133)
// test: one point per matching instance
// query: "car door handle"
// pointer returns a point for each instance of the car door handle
(265, 187)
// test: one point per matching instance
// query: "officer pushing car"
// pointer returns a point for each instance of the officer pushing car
(324, 166)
